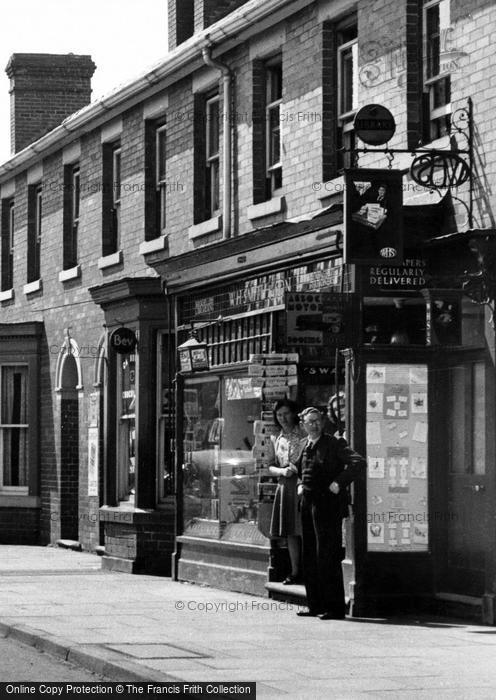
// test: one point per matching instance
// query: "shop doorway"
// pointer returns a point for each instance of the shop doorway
(466, 518)
(69, 451)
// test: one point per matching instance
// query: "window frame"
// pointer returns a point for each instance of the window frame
(161, 178)
(164, 419)
(346, 137)
(35, 229)
(273, 78)
(441, 113)
(111, 197)
(212, 158)
(8, 229)
(15, 490)
(72, 205)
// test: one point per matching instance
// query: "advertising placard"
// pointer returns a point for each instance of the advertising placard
(373, 216)
(397, 457)
(322, 319)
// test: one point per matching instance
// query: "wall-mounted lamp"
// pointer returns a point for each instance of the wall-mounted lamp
(193, 355)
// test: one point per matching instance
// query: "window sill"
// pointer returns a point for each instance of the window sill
(7, 295)
(18, 500)
(271, 206)
(209, 226)
(159, 243)
(70, 274)
(32, 287)
(110, 260)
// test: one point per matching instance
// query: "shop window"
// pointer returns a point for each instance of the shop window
(35, 207)
(347, 93)
(14, 428)
(437, 79)
(219, 473)
(165, 416)
(394, 321)
(234, 341)
(111, 196)
(72, 192)
(126, 426)
(7, 281)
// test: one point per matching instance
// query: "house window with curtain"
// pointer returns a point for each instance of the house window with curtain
(14, 428)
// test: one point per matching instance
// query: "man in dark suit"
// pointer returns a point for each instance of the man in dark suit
(327, 466)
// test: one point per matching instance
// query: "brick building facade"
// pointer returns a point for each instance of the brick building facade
(201, 192)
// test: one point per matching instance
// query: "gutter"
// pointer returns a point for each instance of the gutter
(183, 57)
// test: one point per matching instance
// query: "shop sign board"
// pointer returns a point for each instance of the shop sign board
(123, 341)
(321, 319)
(264, 292)
(408, 277)
(373, 216)
(374, 124)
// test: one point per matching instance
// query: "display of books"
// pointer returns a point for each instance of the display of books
(371, 215)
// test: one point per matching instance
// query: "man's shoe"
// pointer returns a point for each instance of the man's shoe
(291, 580)
(307, 613)
(332, 616)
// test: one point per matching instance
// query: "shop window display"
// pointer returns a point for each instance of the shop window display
(219, 472)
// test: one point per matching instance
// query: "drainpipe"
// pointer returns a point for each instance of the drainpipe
(226, 162)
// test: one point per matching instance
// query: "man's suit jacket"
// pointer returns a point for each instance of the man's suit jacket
(330, 459)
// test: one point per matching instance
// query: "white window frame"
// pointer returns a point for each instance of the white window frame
(116, 191)
(346, 116)
(161, 175)
(274, 169)
(430, 81)
(13, 490)
(212, 156)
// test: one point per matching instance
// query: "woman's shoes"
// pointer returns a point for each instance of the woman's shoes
(291, 580)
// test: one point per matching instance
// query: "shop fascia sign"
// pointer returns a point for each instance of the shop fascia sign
(263, 292)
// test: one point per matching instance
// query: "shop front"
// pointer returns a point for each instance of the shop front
(226, 416)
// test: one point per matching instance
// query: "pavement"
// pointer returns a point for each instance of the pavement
(152, 629)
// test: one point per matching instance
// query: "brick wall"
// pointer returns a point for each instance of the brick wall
(19, 526)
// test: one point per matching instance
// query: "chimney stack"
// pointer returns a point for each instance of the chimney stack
(188, 17)
(44, 90)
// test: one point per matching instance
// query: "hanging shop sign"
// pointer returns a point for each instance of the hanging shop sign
(321, 319)
(373, 216)
(374, 124)
(123, 341)
(409, 277)
(440, 169)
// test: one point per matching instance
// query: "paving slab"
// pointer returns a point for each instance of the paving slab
(147, 628)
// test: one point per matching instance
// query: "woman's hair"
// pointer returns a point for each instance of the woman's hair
(286, 403)
(332, 404)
